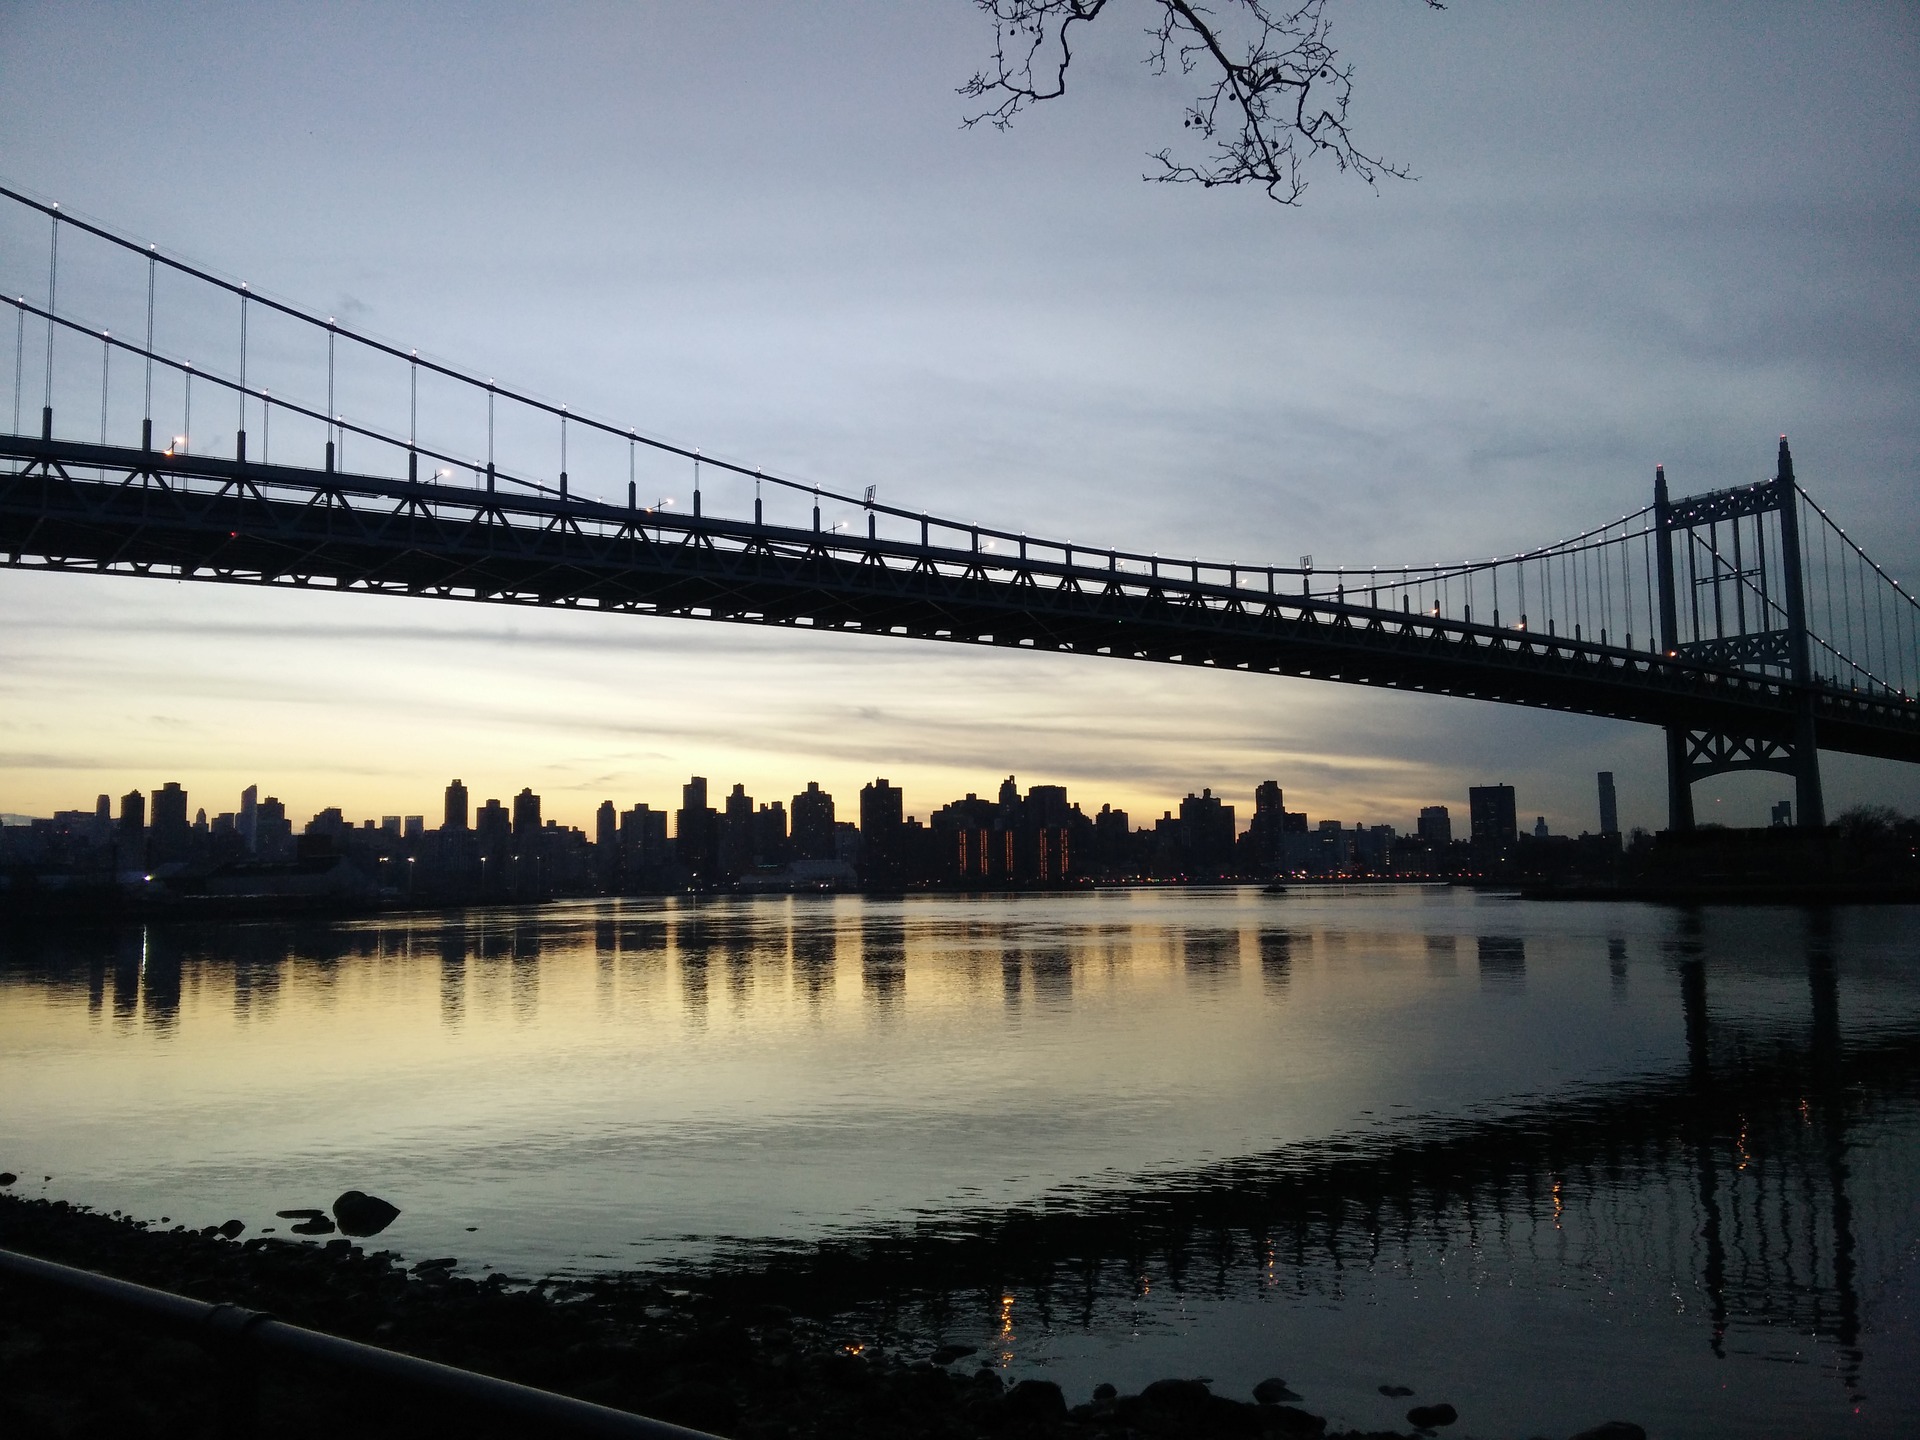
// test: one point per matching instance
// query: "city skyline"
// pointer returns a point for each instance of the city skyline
(147, 849)
(473, 797)
(1449, 367)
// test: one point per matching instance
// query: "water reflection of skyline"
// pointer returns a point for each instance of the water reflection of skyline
(137, 973)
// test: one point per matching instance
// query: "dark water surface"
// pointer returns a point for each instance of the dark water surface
(1551, 1163)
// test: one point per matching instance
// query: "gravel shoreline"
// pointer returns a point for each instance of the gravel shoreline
(732, 1366)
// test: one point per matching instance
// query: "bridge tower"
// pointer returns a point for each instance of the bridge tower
(1747, 611)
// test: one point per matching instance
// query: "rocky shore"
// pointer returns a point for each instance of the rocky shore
(727, 1365)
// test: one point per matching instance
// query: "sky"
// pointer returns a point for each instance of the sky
(1638, 233)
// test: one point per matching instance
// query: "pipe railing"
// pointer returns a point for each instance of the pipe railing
(242, 1340)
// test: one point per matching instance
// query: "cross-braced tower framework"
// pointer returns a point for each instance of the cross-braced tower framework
(1740, 559)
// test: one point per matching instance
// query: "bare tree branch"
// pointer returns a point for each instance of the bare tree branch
(1276, 91)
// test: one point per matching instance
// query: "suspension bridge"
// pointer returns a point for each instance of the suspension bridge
(1746, 622)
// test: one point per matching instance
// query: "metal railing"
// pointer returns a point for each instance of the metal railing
(241, 1340)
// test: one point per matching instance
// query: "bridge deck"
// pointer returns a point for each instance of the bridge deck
(104, 509)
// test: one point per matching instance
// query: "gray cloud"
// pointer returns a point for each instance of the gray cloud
(1640, 235)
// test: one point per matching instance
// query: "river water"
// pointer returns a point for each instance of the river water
(1553, 1163)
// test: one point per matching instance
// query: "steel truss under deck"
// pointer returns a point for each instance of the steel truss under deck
(73, 506)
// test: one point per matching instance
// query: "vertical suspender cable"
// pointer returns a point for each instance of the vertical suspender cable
(1739, 578)
(1713, 555)
(186, 415)
(1886, 654)
(53, 278)
(1583, 614)
(1846, 607)
(240, 434)
(1693, 582)
(1599, 589)
(1626, 587)
(146, 406)
(1826, 571)
(106, 364)
(1646, 562)
(336, 442)
(19, 359)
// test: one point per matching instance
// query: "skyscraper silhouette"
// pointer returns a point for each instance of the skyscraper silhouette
(1609, 806)
(454, 816)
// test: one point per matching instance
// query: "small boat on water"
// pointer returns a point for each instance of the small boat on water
(1273, 888)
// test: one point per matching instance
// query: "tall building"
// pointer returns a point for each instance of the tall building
(770, 834)
(812, 819)
(1436, 826)
(1495, 826)
(1335, 845)
(273, 831)
(169, 833)
(606, 846)
(644, 852)
(130, 841)
(1206, 833)
(526, 814)
(169, 807)
(1267, 826)
(1609, 807)
(735, 848)
(1373, 848)
(1047, 806)
(250, 816)
(696, 828)
(493, 828)
(882, 833)
(455, 813)
(1112, 840)
(1540, 831)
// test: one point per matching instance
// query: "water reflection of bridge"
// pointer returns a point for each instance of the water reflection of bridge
(1739, 1184)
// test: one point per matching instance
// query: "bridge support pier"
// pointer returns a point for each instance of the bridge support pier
(1694, 754)
(1679, 780)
